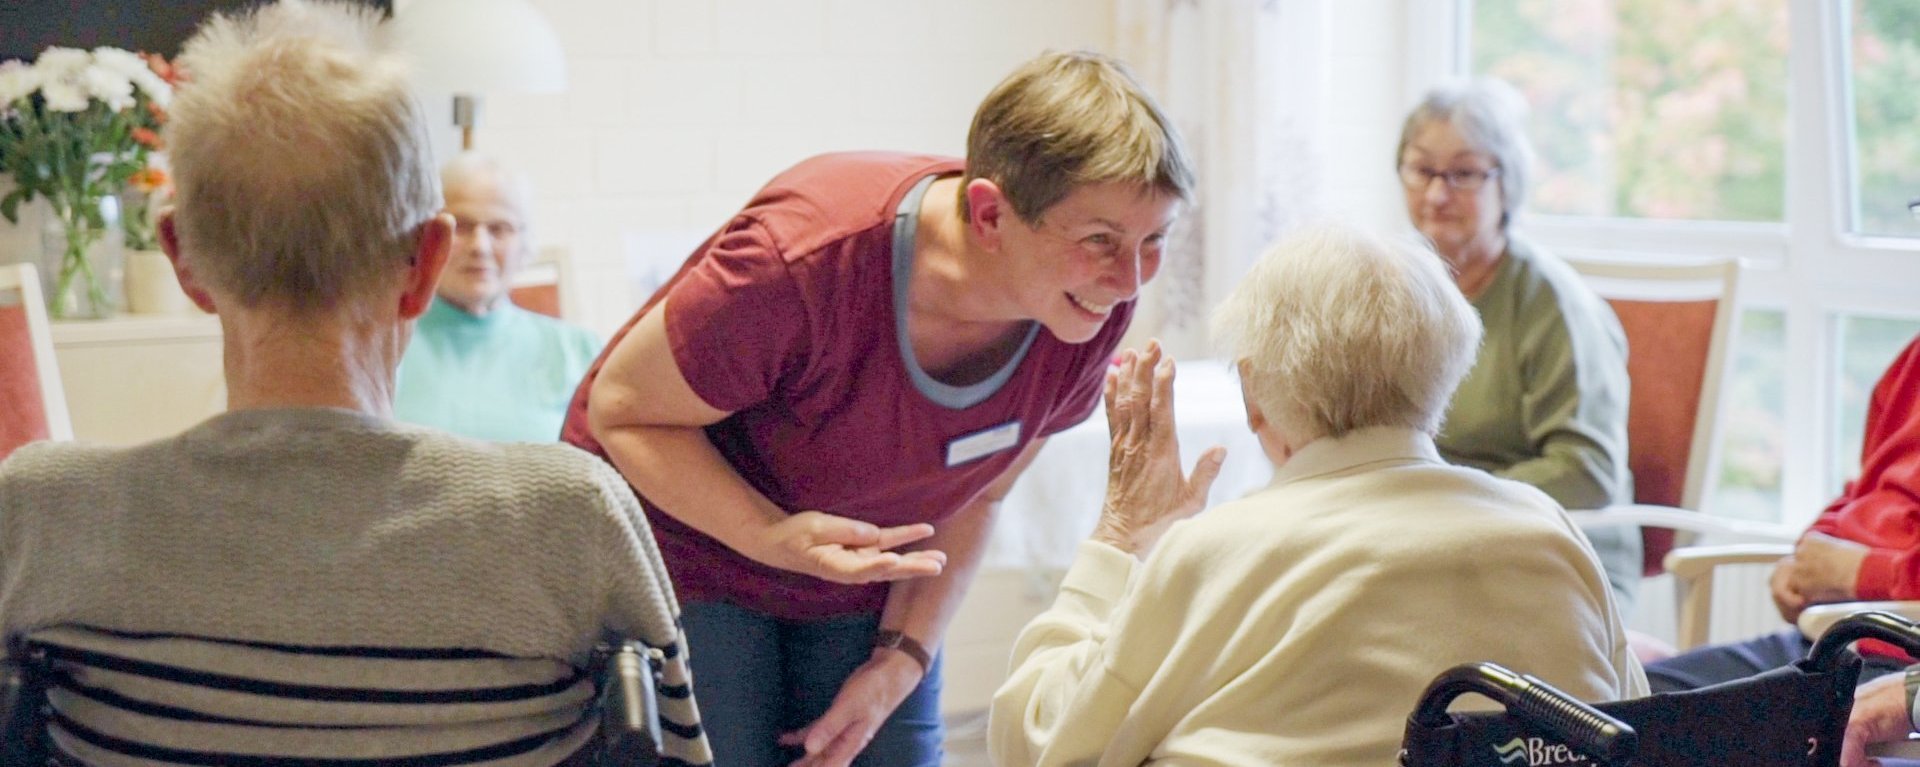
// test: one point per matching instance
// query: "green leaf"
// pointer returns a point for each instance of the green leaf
(91, 209)
(10, 205)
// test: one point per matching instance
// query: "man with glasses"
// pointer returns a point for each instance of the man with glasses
(479, 366)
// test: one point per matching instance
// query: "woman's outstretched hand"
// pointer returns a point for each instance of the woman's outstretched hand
(844, 550)
(1146, 491)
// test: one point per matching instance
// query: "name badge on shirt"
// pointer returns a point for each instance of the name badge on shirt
(981, 444)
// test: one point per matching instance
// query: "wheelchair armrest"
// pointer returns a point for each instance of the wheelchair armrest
(1586, 729)
(630, 717)
(1814, 621)
(12, 681)
(24, 674)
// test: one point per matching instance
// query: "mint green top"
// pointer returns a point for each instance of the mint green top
(1546, 400)
(507, 376)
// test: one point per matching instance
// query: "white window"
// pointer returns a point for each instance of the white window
(1660, 110)
(1885, 65)
(1784, 133)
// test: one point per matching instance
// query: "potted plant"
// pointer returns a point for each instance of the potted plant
(75, 126)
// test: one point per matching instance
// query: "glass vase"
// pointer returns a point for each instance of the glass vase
(81, 258)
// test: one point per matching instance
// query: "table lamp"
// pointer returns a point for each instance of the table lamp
(471, 47)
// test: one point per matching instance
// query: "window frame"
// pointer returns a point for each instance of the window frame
(1810, 266)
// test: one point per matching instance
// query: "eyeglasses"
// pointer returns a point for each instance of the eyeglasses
(1463, 179)
(1913, 207)
(498, 229)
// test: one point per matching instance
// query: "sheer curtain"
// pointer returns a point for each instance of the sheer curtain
(1246, 82)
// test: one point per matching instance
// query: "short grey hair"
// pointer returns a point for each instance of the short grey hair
(1492, 116)
(471, 167)
(301, 159)
(1341, 330)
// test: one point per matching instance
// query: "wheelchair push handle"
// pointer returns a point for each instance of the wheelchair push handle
(1874, 624)
(1536, 703)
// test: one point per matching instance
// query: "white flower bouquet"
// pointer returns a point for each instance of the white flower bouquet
(75, 127)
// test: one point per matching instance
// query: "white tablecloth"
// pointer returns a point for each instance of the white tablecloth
(1056, 502)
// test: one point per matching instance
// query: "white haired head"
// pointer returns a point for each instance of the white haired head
(1338, 329)
(477, 168)
(300, 156)
(492, 236)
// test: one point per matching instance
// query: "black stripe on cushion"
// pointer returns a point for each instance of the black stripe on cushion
(308, 692)
(685, 731)
(105, 697)
(210, 759)
(354, 651)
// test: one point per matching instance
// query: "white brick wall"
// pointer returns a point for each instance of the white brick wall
(677, 110)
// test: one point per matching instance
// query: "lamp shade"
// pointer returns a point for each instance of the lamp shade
(481, 46)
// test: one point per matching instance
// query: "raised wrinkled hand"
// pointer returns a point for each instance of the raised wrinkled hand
(1146, 490)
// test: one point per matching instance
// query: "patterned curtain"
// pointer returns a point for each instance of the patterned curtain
(1245, 81)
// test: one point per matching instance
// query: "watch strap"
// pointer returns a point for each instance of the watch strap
(895, 640)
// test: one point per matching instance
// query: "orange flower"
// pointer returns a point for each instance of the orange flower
(147, 138)
(165, 69)
(158, 112)
(148, 179)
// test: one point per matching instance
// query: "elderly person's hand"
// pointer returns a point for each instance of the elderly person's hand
(1827, 569)
(1146, 491)
(1785, 598)
(1880, 715)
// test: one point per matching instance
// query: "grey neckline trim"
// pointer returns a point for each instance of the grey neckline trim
(906, 225)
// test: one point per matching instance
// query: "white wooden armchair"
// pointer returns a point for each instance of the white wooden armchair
(1679, 321)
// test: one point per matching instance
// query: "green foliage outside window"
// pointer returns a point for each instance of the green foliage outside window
(1886, 111)
(1753, 425)
(1665, 109)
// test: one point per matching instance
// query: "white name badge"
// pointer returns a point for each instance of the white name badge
(981, 444)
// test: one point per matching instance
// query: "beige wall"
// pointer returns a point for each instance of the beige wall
(679, 109)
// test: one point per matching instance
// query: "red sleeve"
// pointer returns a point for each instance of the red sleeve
(1082, 394)
(735, 322)
(1882, 507)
